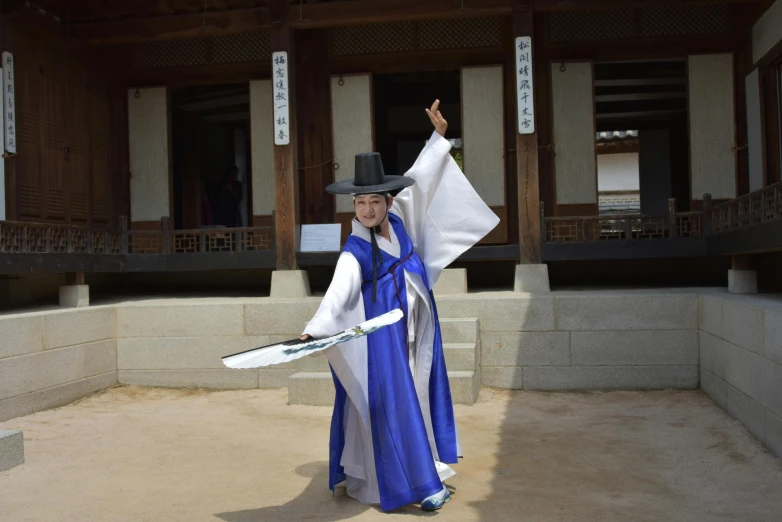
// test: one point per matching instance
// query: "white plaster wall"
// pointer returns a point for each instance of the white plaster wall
(712, 126)
(754, 133)
(574, 133)
(262, 139)
(351, 120)
(767, 32)
(617, 172)
(148, 133)
(483, 133)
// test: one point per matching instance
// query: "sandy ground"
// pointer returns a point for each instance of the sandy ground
(143, 454)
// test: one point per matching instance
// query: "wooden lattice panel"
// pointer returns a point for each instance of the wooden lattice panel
(685, 20)
(53, 134)
(185, 242)
(79, 208)
(29, 200)
(689, 224)
(169, 53)
(146, 242)
(27, 128)
(258, 240)
(648, 228)
(55, 203)
(242, 47)
(100, 209)
(80, 240)
(581, 26)
(372, 39)
(465, 33)
(98, 146)
(77, 140)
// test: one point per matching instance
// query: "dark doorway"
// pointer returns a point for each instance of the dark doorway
(210, 147)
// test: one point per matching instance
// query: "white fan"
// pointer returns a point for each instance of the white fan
(295, 348)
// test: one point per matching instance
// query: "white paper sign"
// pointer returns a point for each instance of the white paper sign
(2, 175)
(321, 238)
(524, 85)
(281, 98)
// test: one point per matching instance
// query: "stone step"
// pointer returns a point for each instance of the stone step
(11, 449)
(459, 330)
(461, 356)
(317, 388)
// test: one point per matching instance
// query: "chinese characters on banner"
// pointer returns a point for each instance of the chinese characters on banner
(9, 104)
(524, 85)
(281, 98)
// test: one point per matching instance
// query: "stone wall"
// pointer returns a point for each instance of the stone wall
(584, 340)
(741, 362)
(50, 359)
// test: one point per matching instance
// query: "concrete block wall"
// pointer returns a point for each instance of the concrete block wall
(49, 359)
(741, 362)
(584, 340)
(181, 344)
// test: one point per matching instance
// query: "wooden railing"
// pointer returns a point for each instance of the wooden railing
(44, 238)
(761, 206)
(613, 227)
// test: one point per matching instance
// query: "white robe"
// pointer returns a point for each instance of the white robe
(444, 216)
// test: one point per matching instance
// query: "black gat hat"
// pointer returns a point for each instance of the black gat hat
(369, 178)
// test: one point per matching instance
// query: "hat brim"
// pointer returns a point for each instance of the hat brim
(391, 184)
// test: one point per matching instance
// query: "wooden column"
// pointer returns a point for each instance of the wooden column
(527, 153)
(285, 157)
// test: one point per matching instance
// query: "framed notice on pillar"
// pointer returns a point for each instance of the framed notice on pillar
(524, 85)
(9, 104)
(281, 98)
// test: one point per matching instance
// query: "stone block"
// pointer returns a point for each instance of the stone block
(774, 433)
(38, 371)
(461, 356)
(772, 338)
(286, 318)
(753, 375)
(180, 320)
(502, 313)
(18, 406)
(290, 283)
(20, 335)
(531, 278)
(464, 387)
(710, 312)
(525, 348)
(74, 327)
(271, 377)
(610, 377)
(771, 388)
(717, 350)
(625, 312)
(451, 281)
(634, 347)
(73, 391)
(743, 325)
(318, 363)
(311, 388)
(459, 330)
(11, 449)
(182, 353)
(704, 351)
(226, 379)
(506, 377)
(750, 413)
(715, 388)
(742, 282)
(74, 296)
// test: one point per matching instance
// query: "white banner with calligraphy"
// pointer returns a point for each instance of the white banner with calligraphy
(281, 98)
(9, 103)
(525, 85)
(2, 176)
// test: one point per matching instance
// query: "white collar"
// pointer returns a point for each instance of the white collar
(391, 247)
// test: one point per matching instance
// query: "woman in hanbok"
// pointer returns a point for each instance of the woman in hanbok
(393, 433)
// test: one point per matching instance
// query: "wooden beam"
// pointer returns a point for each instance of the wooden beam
(171, 27)
(576, 5)
(286, 193)
(527, 156)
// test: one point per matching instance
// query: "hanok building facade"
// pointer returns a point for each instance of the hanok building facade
(629, 141)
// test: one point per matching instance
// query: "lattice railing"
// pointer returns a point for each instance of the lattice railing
(761, 206)
(44, 238)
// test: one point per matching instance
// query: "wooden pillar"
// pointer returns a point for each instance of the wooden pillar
(285, 156)
(527, 154)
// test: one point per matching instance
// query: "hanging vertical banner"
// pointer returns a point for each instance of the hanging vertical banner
(9, 104)
(281, 98)
(2, 174)
(524, 85)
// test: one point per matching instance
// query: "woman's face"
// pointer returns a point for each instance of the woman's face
(371, 209)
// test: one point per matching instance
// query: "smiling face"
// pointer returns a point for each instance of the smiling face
(371, 209)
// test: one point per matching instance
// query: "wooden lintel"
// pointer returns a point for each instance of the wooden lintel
(574, 5)
(171, 27)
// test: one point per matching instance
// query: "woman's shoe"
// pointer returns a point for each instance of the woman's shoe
(436, 501)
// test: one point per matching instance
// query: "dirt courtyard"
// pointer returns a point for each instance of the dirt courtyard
(148, 454)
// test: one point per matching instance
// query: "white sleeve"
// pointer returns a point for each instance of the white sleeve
(442, 213)
(341, 300)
